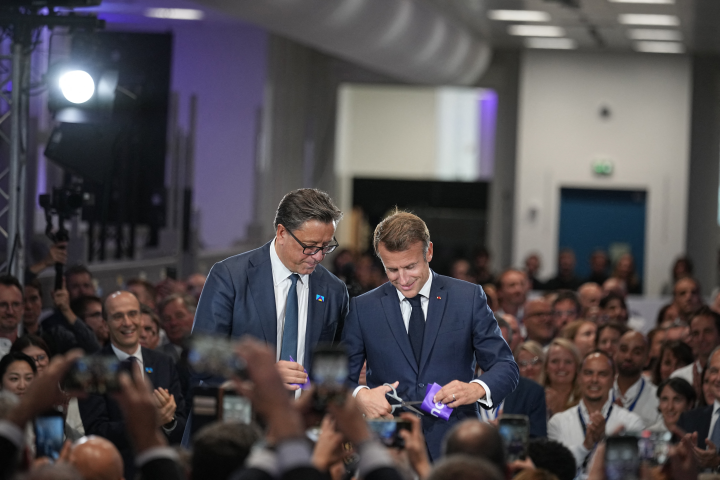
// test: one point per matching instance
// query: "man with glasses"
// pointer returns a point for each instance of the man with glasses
(279, 293)
(11, 310)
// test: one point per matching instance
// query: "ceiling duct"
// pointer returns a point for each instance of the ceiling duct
(407, 39)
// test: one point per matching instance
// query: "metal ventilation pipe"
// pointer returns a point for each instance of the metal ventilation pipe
(406, 39)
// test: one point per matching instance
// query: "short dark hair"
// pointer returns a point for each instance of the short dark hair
(705, 311)
(487, 443)
(150, 313)
(679, 386)
(618, 327)
(553, 457)
(77, 270)
(662, 312)
(398, 231)
(680, 350)
(609, 298)
(80, 304)
(189, 301)
(35, 283)
(13, 357)
(219, 449)
(567, 295)
(30, 340)
(149, 287)
(465, 467)
(11, 281)
(299, 206)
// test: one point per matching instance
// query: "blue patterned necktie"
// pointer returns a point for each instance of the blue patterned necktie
(715, 435)
(290, 331)
(416, 328)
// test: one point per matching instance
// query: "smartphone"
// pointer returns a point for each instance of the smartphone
(328, 374)
(215, 355)
(49, 435)
(235, 408)
(622, 459)
(94, 374)
(387, 431)
(515, 432)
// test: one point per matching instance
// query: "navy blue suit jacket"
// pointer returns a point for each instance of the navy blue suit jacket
(529, 399)
(101, 414)
(460, 330)
(239, 299)
(697, 420)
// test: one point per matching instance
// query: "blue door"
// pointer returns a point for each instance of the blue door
(611, 220)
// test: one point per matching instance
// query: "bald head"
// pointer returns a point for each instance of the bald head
(589, 295)
(97, 459)
(477, 439)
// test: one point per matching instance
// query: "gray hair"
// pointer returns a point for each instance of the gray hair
(502, 323)
(188, 300)
(299, 206)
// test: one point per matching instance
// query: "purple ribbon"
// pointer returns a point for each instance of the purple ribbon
(439, 409)
(305, 385)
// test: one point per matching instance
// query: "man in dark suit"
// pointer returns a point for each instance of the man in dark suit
(422, 328)
(279, 293)
(101, 414)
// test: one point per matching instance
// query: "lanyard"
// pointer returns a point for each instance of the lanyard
(582, 422)
(489, 415)
(632, 406)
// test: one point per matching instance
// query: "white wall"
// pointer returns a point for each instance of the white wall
(561, 133)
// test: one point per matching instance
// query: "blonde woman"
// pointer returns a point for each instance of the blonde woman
(530, 359)
(562, 365)
(582, 334)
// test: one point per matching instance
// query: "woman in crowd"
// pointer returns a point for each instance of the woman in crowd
(582, 334)
(673, 355)
(608, 337)
(613, 309)
(561, 371)
(625, 271)
(667, 315)
(17, 372)
(35, 348)
(530, 359)
(675, 396)
(707, 397)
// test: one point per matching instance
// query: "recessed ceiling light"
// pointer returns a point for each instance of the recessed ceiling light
(536, 31)
(653, 34)
(519, 16)
(175, 13)
(665, 2)
(556, 43)
(659, 47)
(644, 19)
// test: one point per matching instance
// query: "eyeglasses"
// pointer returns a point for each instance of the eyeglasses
(39, 358)
(8, 306)
(528, 363)
(312, 249)
(564, 313)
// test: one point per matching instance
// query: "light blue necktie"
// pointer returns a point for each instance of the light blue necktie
(290, 331)
(715, 435)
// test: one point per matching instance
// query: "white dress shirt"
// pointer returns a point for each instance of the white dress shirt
(122, 356)
(646, 406)
(686, 372)
(282, 283)
(565, 427)
(713, 421)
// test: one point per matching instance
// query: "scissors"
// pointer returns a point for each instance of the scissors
(402, 403)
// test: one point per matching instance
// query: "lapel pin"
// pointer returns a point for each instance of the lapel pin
(148, 369)
(319, 298)
(439, 298)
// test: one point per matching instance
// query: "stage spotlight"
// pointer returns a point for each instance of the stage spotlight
(77, 86)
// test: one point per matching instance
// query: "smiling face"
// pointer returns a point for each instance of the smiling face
(561, 368)
(596, 378)
(530, 366)
(312, 233)
(632, 354)
(668, 364)
(585, 338)
(18, 377)
(608, 341)
(123, 320)
(407, 270)
(672, 404)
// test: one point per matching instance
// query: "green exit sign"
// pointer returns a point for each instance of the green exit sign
(603, 167)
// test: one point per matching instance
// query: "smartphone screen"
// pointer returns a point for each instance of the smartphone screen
(49, 435)
(622, 459)
(515, 432)
(329, 373)
(93, 374)
(387, 431)
(236, 408)
(215, 355)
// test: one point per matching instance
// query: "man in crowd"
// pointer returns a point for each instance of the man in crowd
(589, 295)
(32, 302)
(79, 282)
(514, 337)
(11, 310)
(280, 293)
(539, 321)
(96, 459)
(565, 278)
(177, 312)
(581, 428)
(150, 328)
(631, 390)
(101, 414)
(565, 308)
(143, 290)
(422, 328)
(704, 338)
(89, 309)
(686, 297)
(599, 263)
(512, 290)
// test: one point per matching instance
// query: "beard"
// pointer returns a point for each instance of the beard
(629, 371)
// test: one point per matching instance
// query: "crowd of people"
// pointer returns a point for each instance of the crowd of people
(586, 372)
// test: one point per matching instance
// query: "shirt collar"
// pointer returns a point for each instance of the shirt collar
(716, 406)
(424, 291)
(279, 271)
(122, 356)
(632, 392)
(604, 410)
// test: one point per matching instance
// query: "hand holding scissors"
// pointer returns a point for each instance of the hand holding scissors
(400, 402)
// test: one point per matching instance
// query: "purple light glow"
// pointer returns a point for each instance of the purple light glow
(487, 104)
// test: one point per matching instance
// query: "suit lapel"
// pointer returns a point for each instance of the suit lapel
(391, 306)
(262, 288)
(436, 309)
(315, 313)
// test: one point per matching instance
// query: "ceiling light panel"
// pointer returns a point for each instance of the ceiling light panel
(655, 35)
(175, 13)
(552, 43)
(645, 19)
(659, 47)
(536, 31)
(519, 16)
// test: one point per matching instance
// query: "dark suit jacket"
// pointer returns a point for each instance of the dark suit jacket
(239, 299)
(62, 337)
(101, 414)
(460, 330)
(697, 420)
(529, 399)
